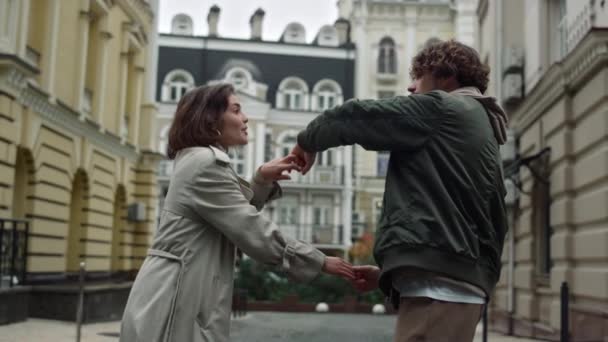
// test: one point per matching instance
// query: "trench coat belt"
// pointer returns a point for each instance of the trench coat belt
(180, 260)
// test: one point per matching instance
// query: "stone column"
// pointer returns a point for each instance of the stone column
(260, 143)
(100, 73)
(347, 195)
(136, 101)
(49, 57)
(81, 52)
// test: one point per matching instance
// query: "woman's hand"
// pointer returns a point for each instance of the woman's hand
(274, 169)
(339, 267)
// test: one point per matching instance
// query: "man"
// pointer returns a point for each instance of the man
(442, 228)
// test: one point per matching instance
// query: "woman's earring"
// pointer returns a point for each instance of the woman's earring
(219, 134)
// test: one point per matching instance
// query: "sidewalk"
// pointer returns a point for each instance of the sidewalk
(35, 330)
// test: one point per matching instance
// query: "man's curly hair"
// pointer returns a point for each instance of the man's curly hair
(451, 58)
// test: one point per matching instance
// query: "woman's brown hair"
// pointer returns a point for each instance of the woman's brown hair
(451, 58)
(198, 117)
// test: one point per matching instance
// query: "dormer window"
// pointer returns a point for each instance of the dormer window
(181, 24)
(176, 84)
(292, 94)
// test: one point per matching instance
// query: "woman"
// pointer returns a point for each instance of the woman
(183, 291)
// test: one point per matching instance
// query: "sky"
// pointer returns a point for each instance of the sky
(235, 14)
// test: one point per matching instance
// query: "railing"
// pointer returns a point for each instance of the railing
(317, 234)
(13, 251)
(319, 175)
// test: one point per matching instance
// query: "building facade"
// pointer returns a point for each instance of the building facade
(549, 70)
(282, 86)
(387, 35)
(76, 149)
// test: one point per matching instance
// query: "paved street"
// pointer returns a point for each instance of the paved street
(255, 327)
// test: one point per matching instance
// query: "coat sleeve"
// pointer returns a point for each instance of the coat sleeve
(217, 199)
(399, 123)
(263, 191)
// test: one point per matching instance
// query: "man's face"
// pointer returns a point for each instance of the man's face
(423, 84)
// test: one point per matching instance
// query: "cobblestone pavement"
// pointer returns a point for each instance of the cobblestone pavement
(255, 327)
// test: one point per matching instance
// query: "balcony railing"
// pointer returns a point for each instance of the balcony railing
(13, 251)
(316, 234)
(319, 175)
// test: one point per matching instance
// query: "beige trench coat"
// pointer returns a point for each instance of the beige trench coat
(183, 291)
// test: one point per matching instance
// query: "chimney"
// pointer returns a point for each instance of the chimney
(343, 27)
(256, 24)
(212, 19)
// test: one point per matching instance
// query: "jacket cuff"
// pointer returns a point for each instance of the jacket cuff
(302, 262)
(301, 139)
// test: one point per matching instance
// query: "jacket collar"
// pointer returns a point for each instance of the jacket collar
(220, 154)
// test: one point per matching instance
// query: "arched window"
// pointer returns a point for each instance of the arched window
(387, 57)
(294, 33)
(181, 24)
(176, 84)
(326, 94)
(293, 94)
(239, 78)
(328, 36)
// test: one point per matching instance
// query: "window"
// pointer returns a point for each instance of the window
(288, 210)
(292, 94)
(237, 155)
(240, 78)
(294, 33)
(326, 158)
(181, 24)
(287, 144)
(268, 146)
(328, 94)
(558, 35)
(328, 36)
(541, 204)
(321, 216)
(382, 164)
(387, 58)
(176, 84)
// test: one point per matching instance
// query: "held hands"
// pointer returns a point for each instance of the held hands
(363, 278)
(338, 267)
(304, 159)
(366, 278)
(274, 170)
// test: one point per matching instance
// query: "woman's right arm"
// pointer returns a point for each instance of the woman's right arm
(218, 201)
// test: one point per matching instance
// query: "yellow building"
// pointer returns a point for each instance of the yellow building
(77, 123)
(549, 71)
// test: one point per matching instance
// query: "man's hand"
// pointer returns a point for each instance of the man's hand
(366, 278)
(339, 267)
(273, 170)
(304, 159)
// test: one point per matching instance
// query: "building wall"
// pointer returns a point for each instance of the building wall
(563, 109)
(64, 166)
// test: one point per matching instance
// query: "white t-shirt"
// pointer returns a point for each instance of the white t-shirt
(415, 283)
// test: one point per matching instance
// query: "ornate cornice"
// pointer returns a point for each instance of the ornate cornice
(562, 78)
(15, 81)
(138, 10)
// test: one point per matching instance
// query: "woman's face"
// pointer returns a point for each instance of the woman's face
(233, 125)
